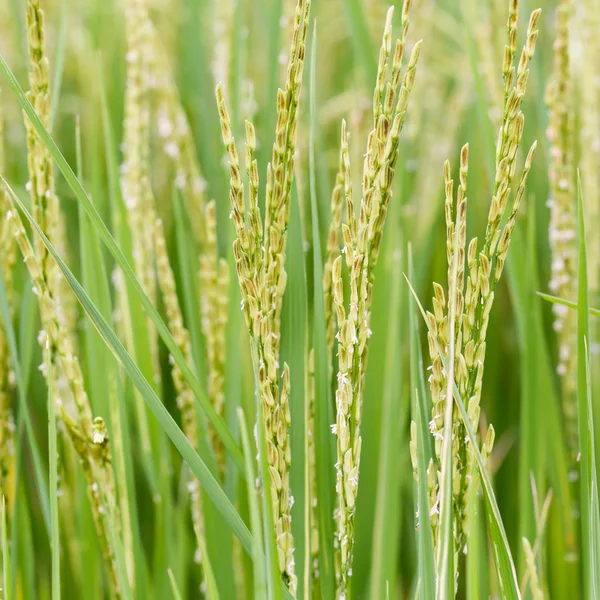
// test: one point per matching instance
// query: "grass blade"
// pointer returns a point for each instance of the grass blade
(391, 433)
(53, 480)
(421, 410)
(260, 578)
(22, 385)
(6, 569)
(323, 402)
(168, 424)
(293, 352)
(174, 587)
(107, 238)
(555, 300)
(588, 481)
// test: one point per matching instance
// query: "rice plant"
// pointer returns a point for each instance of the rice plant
(299, 299)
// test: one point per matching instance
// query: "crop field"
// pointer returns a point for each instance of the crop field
(299, 299)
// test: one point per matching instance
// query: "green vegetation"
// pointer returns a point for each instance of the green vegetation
(227, 369)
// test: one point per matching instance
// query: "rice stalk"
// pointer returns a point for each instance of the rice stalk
(361, 245)
(8, 251)
(475, 299)
(41, 170)
(333, 250)
(89, 438)
(563, 221)
(214, 280)
(185, 395)
(175, 134)
(312, 565)
(259, 252)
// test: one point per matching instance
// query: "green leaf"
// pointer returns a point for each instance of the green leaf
(22, 386)
(556, 300)
(360, 37)
(323, 404)
(391, 436)
(165, 420)
(421, 410)
(96, 220)
(588, 481)
(174, 587)
(260, 573)
(6, 567)
(53, 480)
(293, 352)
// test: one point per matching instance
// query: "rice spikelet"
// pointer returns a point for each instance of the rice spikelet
(259, 252)
(474, 299)
(361, 245)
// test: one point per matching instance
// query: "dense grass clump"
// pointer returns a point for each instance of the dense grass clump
(219, 373)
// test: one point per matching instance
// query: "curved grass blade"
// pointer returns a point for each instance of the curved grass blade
(361, 38)
(174, 587)
(392, 438)
(260, 579)
(6, 568)
(594, 501)
(96, 220)
(166, 421)
(38, 469)
(505, 567)
(594, 312)
(420, 410)
(588, 481)
(59, 60)
(53, 480)
(425, 554)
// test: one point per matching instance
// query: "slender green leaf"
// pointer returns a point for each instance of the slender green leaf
(384, 553)
(323, 404)
(22, 384)
(53, 480)
(260, 572)
(588, 492)
(420, 410)
(6, 568)
(59, 60)
(107, 238)
(166, 421)
(555, 300)
(176, 593)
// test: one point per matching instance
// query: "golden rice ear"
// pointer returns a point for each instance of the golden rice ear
(362, 234)
(83, 433)
(259, 252)
(474, 298)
